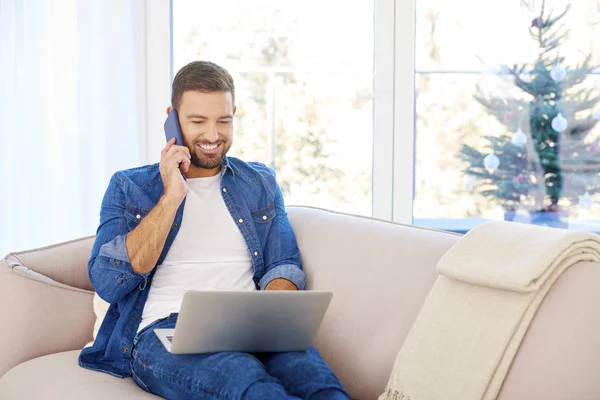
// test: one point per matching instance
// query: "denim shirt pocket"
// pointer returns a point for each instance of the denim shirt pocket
(262, 221)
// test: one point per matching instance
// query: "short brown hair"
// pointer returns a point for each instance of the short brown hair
(204, 76)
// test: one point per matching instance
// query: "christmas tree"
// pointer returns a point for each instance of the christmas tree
(547, 159)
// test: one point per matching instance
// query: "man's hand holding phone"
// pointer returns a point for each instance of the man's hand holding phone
(174, 160)
(146, 241)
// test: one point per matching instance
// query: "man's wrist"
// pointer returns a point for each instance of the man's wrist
(169, 203)
(281, 284)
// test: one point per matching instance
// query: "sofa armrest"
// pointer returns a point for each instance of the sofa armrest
(559, 357)
(40, 316)
(64, 262)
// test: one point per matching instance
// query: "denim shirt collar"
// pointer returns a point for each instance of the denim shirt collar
(225, 166)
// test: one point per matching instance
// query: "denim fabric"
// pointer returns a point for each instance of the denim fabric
(256, 204)
(230, 375)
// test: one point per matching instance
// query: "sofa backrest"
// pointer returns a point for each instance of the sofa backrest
(380, 274)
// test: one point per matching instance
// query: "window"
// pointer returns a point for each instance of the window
(304, 89)
(70, 115)
(483, 81)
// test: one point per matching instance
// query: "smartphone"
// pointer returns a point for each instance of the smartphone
(173, 129)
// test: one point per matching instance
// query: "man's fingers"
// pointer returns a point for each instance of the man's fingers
(178, 149)
(186, 162)
(171, 151)
(186, 151)
(175, 160)
(185, 165)
(176, 156)
(169, 144)
(180, 158)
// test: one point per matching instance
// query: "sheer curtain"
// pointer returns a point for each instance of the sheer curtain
(71, 113)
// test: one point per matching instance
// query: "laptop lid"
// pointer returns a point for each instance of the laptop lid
(247, 321)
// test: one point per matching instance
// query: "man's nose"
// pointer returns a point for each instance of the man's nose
(211, 133)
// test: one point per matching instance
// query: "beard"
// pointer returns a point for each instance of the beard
(204, 161)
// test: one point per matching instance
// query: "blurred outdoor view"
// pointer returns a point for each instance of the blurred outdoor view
(303, 74)
(461, 46)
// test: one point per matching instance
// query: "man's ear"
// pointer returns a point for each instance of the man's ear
(169, 110)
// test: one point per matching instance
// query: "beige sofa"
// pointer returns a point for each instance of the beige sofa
(380, 274)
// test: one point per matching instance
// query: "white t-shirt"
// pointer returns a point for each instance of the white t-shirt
(208, 253)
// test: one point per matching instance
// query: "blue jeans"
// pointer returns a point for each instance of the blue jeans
(230, 375)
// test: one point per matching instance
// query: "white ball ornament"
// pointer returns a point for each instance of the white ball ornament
(519, 138)
(491, 161)
(559, 123)
(558, 73)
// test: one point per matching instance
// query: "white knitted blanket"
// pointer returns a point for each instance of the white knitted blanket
(471, 325)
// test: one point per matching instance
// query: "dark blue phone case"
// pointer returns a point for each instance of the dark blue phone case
(172, 128)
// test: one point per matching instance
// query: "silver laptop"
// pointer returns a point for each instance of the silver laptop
(246, 321)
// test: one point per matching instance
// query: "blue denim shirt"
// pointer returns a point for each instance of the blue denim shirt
(256, 204)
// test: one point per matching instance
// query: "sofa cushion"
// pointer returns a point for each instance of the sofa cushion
(380, 274)
(100, 309)
(58, 376)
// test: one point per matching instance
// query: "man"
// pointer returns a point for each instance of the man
(198, 220)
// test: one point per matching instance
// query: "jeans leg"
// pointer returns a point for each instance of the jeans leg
(228, 375)
(304, 374)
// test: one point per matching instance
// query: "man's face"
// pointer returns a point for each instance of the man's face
(206, 121)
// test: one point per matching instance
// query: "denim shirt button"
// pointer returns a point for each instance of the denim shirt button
(240, 220)
(138, 216)
(255, 253)
(224, 190)
(125, 349)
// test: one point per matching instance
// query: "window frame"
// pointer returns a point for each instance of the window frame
(158, 76)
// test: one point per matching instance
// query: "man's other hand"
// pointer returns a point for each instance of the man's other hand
(281, 284)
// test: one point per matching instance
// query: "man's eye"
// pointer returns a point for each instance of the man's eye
(225, 122)
(197, 122)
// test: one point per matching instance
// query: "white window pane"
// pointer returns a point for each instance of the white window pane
(473, 34)
(303, 89)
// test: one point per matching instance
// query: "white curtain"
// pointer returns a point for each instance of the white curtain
(71, 113)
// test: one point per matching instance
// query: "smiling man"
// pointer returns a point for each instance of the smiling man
(198, 220)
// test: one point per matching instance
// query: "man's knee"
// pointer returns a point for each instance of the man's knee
(291, 360)
(237, 364)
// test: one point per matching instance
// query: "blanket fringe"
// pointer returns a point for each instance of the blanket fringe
(393, 394)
